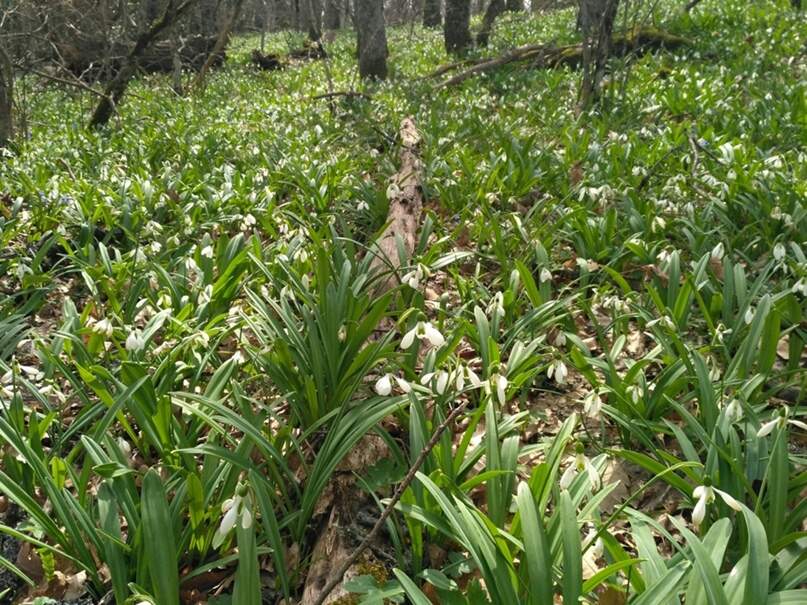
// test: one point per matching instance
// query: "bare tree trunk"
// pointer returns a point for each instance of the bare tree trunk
(221, 43)
(431, 13)
(333, 15)
(117, 85)
(176, 61)
(6, 98)
(371, 35)
(597, 22)
(515, 5)
(495, 8)
(456, 29)
(311, 18)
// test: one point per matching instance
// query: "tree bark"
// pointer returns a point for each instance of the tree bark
(117, 86)
(515, 5)
(432, 16)
(311, 14)
(596, 19)
(221, 43)
(495, 8)
(6, 98)
(456, 29)
(372, 39)
(333, 15)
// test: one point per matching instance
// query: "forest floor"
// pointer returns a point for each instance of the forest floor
(208, 397)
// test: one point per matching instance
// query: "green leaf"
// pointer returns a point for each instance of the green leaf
(159, 545)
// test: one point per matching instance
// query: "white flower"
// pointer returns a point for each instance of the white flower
(383, 385)
(718, 252)
(473, 378)
(496, 306)
(705, 495)
(560, 339)
(235, 509)
(412, 279)
(103, 327)
(593, 537)
(545, 275)
(579, 464)
(135, 341)
(779, 252)
(424, 330)
(362, 206)
(393, 191)
(439, 378)
(749, 315)
(402, 384)
(780, 421)
(558, 370)
(501, 388)
(592, 404)
(207, 251)
(734, 411)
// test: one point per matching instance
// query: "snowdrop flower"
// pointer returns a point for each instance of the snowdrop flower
(635, 391)
(103, 327)
(207, 251)
(205, 295)
(593, 537)
(413, 278)
(545, 275)
(592, 404)
(500, 382)
(248, 222)
(362, 206)
(780, 421)
(800, 287)
(749, 315)
(473, 378)
(393, 191)
(705, 495)
(496, 307)
(580, 464)
(557, 370)
(235, 509)
(383, 386)
(779, 252)
(135, 341)
(439, 378)
(734, 411)
(403, 385)
(424, 330)
(717, 252)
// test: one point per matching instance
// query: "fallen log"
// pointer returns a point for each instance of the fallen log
(546, 56)
(311, 51)
(405, 205)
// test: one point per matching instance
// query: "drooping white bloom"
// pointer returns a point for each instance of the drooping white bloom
(557, 370)
(705, 494)
(592, 404)
(580, 463)
(438, 379)
(207, 251)
(403, 384)
(235, 509)
(414, 277)
(545, 275)
(779, 252)
(383, 386)
(501, 388)
(135, 341)
(103, 327)
(718, 252)
(424, 330)
(734, 411)
(780, 421)
(749, 315)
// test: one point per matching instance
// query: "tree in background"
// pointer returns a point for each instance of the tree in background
(371, 36)
(596, 19)
(432, 16)
(457, 26)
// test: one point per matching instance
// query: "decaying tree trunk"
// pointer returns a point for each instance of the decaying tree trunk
(117, 86)
(405, 206)
(597, 23)
(371, 35)
(6, 98)
(431, 13)
(457, 26)
(545, 56)
(495, 8)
